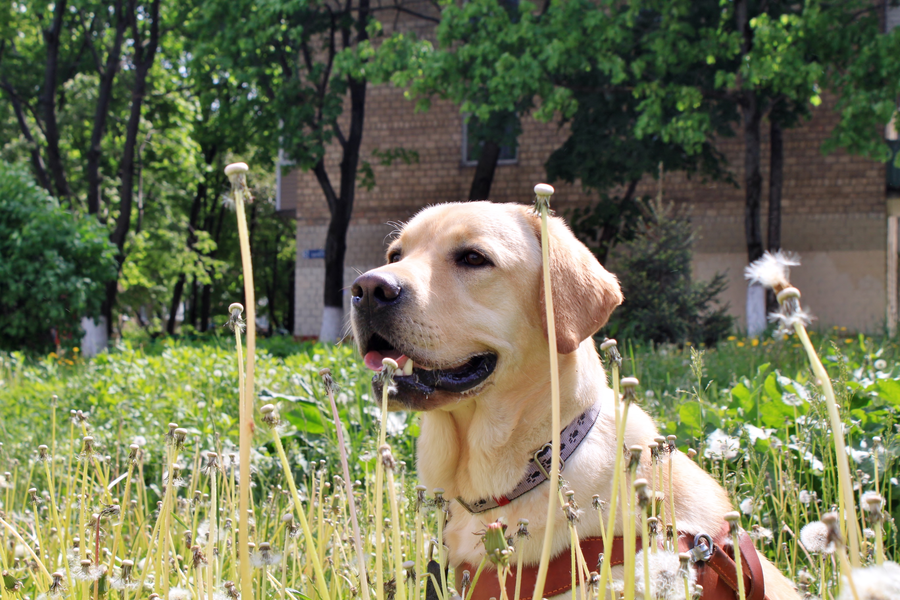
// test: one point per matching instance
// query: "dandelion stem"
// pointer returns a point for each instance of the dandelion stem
(235, 173)
(848, 518)
(543, 193)
(311, 550)
(348, 487)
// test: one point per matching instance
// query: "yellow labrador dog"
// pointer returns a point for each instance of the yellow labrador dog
(459, 307)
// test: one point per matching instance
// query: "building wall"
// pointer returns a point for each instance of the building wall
(833, 207)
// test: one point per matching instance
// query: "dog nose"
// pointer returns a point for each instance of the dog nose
(375, 290)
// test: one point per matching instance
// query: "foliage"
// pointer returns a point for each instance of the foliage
(662, 302)
(52, 264)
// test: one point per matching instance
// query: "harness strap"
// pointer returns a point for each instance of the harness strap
(717, 575)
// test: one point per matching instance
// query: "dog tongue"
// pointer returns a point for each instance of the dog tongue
(373, 359)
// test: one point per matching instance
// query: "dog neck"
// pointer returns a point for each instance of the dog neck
(481, 446)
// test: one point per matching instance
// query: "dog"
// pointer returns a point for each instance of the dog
(460, 307)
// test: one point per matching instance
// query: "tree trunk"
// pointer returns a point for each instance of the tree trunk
(37, 162)
(101, 113)
(484, 171)
(144, 55)
(752, 178)
(48, 100)
(342, 206)
(776, 182)
(176, 301)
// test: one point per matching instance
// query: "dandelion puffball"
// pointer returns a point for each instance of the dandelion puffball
(880, 582)
(666, 575)
(814, 537)
(772, 270)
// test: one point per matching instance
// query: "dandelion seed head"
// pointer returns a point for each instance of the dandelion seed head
(814, 537)
(805, 497)
(772, 270)
(179, 593)
(880, 364)
(666, 576)
(880, 582)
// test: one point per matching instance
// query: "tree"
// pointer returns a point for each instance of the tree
(296, 62)
(665, 304)
(688, 66)
(52, 266)
(68, 41)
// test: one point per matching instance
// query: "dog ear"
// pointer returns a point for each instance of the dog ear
(584, 293)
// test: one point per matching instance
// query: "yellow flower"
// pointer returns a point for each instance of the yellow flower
(68, 362)
(836, 328)
(755, 342)
(53, 355)
(731, 338)
(843, 329)
(740, 344)
(848, 341)
(76, 351)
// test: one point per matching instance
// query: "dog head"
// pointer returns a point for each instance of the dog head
(459, 304)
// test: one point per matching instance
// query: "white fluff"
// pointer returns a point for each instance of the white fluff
(772, 270)
(874, 583)
(667, 580)
(814, 537)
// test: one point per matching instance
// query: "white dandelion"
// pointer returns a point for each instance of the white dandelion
(880, 582)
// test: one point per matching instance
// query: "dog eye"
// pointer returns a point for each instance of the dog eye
(394, 257)
(474, 259)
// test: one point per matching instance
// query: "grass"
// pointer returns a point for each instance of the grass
(76, 512)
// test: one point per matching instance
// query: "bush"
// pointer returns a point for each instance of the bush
(662, 303)
(53, 265)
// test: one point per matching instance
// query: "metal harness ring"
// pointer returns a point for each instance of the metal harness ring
(703, 547)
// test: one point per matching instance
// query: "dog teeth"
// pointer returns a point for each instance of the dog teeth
(408, 367)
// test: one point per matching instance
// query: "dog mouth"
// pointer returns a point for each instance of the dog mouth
(422, 378)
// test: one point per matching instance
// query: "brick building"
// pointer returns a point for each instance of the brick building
(837, 212)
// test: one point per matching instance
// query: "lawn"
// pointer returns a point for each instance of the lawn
(747, 408)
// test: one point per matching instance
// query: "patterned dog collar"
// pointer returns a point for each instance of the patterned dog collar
(539, 465)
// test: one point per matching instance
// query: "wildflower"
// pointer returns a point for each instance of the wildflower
(772, 270)
(88, 572)
(805, 497)
(762, 534)
(124, 581)
(231, 590)
(264, 557)
(57, 585)
(719, 445)
(815, 538)
(269, 415)
(179, 593)
(880, 364)
(666, 576)
(746, 506)
(234, 320)
(43, 453)
(522, 531)
(197, 557)
(495, 545)
(880, 582)
(873, 504)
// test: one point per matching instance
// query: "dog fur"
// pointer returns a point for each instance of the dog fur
(477, 443)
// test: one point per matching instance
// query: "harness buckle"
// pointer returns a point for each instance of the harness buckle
(703, 548)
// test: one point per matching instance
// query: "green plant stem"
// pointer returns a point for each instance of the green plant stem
(311, 550)
(621, 418)
(351, 501)
(211, 541)
(645, 541)
(475, 577)
(395, 519)
(43, 582)
(552, 501)
(847, 508)
(735, 541)
(246, 406)
(379, 495)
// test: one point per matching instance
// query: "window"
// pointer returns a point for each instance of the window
(505, 126)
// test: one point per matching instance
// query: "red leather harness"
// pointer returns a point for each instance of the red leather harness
(717, 574)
